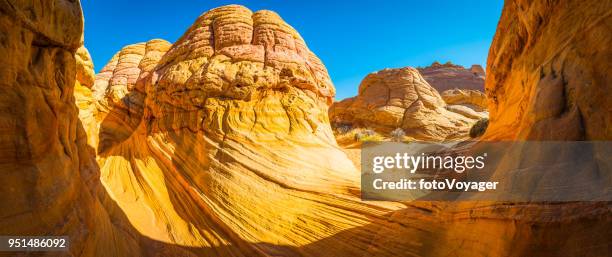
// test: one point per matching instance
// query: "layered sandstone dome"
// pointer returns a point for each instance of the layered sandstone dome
(227, 137)
(401, 98)
(451, 76)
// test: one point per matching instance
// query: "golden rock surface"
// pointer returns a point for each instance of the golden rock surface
(401, 98)
(220, 145)
(83, 95)
(119, 90)
(228, 151)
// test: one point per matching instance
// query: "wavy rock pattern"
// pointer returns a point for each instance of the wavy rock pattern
(474, 98)
(234, 129)
(401, 98)
(220, 145)
(85, 77)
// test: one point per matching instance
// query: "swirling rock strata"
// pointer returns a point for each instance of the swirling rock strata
(83, 95)
(233, 151)
(474, 98)
(228, 153)
(470, 103)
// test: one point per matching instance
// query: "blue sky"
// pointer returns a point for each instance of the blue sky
(353, 38)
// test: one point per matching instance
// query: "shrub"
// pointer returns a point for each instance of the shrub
(479, 128)
(343, 128)
(397, 135)
(365, 135)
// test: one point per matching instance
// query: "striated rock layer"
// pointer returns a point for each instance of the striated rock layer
(226, 149)
(401, 98)
(451, 76)
(83, 95)
(119, 90)
(220, 145)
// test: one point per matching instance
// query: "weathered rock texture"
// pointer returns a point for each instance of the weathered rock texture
(224, 142)
(450, 76)
(220, 145)
(401, 98)
(48, 172)
(549, 68)
(548, 80)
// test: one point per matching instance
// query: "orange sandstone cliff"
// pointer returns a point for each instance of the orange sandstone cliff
(549, 68)
(50, 180)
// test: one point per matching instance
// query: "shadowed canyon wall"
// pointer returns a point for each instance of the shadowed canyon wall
(49, 174)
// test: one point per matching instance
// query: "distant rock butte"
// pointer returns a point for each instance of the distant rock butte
(451, 76)
(401, 98)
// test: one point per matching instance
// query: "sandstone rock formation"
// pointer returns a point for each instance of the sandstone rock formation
(549, 68)
(220, 145)
(450, 76)
(48, 172)
(401, 98)
(228, 146)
